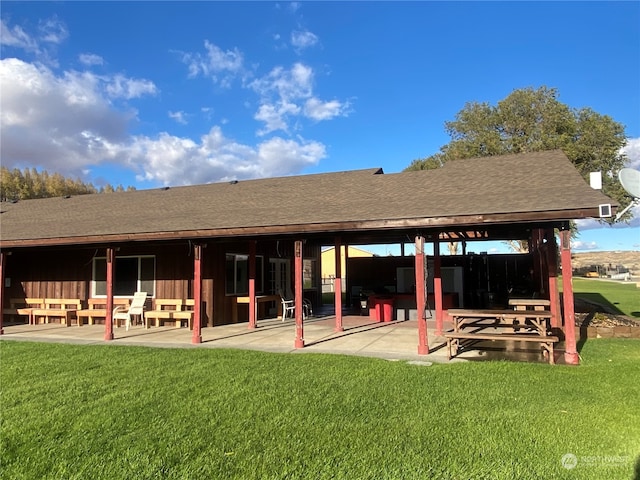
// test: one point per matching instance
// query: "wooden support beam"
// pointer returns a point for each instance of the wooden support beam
(570, 350)
(299, 342)
(196, 336)
(3, 266)
(253, 309)
(108, 321)
(437, 286)
(423, 345)
(337, 284)
(554, 292)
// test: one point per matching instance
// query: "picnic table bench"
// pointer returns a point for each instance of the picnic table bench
(63, 308)
(471, 326)
(23, 307)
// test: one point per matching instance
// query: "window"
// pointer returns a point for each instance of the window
(237, 274)
(309, 273)
(131, 274)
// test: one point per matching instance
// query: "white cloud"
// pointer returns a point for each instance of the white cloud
(287, 85)
(16, 37)
(53, 30)
(219, 65)
(90, 59)
(59, 123)
(579, 245)
(274, 116)
(68, 124)
(289, 93)
(632, 150)
(120, 86)
(319, 110)
(179, 117)
(303, 39)
(171, 160)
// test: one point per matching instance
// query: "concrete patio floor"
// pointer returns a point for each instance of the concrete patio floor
(397, 340)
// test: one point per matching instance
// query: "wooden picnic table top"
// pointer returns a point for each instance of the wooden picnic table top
(497, 313)
(530, 302)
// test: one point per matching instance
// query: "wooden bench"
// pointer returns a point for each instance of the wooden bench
(23, 307)
(164, 308)
(63, 308)
(185, 315)
(97, 308)
(454, 340)
(536, 304)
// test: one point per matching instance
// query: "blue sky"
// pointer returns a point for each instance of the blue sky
(176, 93)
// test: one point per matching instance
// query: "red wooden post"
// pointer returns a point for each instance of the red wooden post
(539, 261)
(3, 264)
(108, 321)
(196, 336)
(437, 286)
(570, 351)
(252, 285)
(299, 343)
(554, 293)
(423, 346)
(337, 285)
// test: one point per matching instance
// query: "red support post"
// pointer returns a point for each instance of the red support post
(337, 285)
(299, 343)
(253, 310)
(196, 336)
(554, 292)
(570, 350)
(108, 321)
(3, 265)
(423, 345)
(437, 286)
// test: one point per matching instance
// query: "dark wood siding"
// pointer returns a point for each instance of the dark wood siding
(67, 273)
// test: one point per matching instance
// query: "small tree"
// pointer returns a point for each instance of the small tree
(531, 120)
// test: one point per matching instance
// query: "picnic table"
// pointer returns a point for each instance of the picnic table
(471, 326)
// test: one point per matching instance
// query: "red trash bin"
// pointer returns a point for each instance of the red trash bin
(375, 309)
(387, 308)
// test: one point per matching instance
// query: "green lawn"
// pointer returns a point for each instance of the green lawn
(622, 298)
(104, 411)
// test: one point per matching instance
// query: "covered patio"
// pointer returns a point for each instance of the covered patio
(394, 341)
(218, 244)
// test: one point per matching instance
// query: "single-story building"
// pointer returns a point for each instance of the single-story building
(223, 244)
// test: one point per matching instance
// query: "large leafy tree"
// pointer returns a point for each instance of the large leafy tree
(29, 183)
(531, 120)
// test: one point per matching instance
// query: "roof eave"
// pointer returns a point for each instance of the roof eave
(313, 228)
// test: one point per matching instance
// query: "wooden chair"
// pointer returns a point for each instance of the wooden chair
(135, 309)
(164, 310)
(186, 314)
(97, 308)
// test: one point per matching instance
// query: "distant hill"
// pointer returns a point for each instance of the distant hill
(628, 259)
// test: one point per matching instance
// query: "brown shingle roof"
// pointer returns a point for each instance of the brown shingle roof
(527, 187)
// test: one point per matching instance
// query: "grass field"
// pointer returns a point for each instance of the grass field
(110, 412)
(624, 298)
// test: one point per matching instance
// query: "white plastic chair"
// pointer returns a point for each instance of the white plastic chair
(289, 306)
(135, 309)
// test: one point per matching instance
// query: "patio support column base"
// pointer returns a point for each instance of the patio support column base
(196, 340)
(572, 358)
(299, 343)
